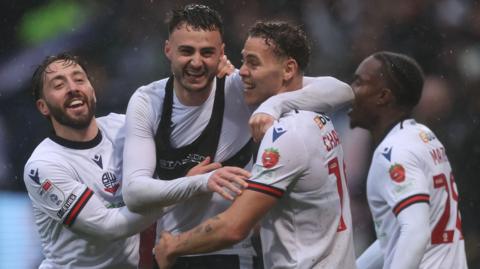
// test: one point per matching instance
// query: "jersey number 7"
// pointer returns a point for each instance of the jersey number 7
(334, 168)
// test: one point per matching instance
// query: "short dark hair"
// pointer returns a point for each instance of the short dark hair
(403, 75)
(285, 39)
(196, 16)
(40, 72)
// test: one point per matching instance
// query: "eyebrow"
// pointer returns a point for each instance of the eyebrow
(74, 73)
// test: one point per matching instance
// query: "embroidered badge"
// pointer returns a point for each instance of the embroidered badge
(270, 157)
(397, 173)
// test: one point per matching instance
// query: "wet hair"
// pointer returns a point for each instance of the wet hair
(199, 17)
(403, 75)
(285, 39)
(38, 77)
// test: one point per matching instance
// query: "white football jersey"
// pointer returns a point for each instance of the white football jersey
(300, 162)
(410, 166)
(60, 177)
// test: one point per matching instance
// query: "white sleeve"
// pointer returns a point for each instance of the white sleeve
(280, 160)
(414, 236)
(54, 191)
(111, 223)
(141, 191)
(372, 258)
(319, 94)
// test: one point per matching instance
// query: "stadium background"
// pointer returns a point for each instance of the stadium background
(122, 42)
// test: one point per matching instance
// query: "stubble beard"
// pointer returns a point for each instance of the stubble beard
(79, 123)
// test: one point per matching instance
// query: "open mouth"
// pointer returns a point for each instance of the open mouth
(195, 74)
(74, 103)
(248, 86)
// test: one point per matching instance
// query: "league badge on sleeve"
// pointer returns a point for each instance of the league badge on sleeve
(51, 194)
(397, 173)
(270, 157)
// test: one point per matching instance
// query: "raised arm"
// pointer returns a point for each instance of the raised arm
(319, 94)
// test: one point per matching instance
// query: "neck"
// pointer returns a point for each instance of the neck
(385, 123)
(192, 97)
(293, 84)
(77, 135)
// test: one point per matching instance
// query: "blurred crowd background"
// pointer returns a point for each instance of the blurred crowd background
(122, 43)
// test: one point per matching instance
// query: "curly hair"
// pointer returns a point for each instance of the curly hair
(285, 39)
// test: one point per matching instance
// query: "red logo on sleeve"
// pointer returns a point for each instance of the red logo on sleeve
(270, 157)
(397, 172)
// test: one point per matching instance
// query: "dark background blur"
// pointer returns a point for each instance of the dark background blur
(122, 43)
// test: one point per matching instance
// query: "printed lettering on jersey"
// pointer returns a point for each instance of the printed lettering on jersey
(321, 120)
(439, 155)
(277, 132)
(173, 164)
(66, 205)
(270, 157)
(331, 140)
(397, 173)
(426, 136)
(259, 172)
(110, 182)
(34, 176)
(51, 194)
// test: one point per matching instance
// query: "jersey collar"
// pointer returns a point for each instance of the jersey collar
(392, 126)
(76, 144)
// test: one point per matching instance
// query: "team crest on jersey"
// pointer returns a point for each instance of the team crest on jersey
(426, 136)
(397, 173)
(110, 182)
(270, 157)
(51, 194)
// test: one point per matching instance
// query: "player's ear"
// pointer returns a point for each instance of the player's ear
(42, 107)
(385, 96)
(167, 49)
(222, 50)
(290, 69)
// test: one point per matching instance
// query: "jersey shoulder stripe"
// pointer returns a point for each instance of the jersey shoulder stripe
(81, 202)
(416, 198)
(267, 189)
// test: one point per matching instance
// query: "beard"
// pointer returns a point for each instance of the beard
(80, 122)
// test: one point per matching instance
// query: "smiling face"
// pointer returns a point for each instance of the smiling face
(194, 55)
(262, 71)
(67, 98)
(367, 86)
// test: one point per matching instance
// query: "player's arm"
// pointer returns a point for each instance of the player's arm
(140, 190)
(94, 219)
(414, 236)
(372, 258)
(270, 178)
(319, 94)
(407, 193)
(54, 191)
(218, 232)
